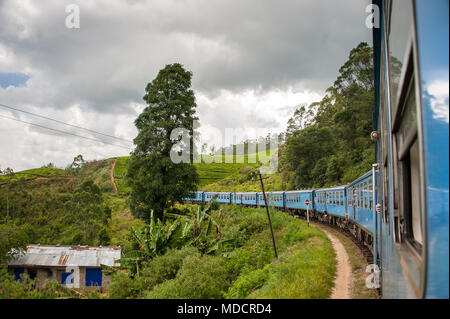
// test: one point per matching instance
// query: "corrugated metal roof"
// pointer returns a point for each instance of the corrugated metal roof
(54, 256)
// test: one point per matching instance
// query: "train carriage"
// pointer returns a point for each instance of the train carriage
(223, 197)
(208, 196)
(250, 198)
(198, 197)
(411, 122)
(331, 200)
(296, 199)
(360, 206)
(274, 198)
(236, 198)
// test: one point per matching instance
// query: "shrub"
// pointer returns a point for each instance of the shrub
(200, 277)
(245, 284)
(123, 286)
(165, 267)
(250, 257)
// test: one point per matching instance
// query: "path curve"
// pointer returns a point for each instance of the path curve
(111, 174)
(344, 278)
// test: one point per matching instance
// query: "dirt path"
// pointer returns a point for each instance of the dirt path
(344, 278)
(112, 177)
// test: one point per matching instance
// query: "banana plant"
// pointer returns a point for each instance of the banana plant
(199, 226)
(151, 240)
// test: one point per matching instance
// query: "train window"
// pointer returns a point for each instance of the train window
(366, 195)
(349, 197)
(360, 196)
(370, 194)
(400, 27)
(409, 171)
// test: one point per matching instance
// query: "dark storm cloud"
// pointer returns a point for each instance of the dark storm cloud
(229, 45)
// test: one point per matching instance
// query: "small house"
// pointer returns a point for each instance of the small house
(74, 266)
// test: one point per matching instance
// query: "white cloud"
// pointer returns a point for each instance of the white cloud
(439, 99)
(248, 59)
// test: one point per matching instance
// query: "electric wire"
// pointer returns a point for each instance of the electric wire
(64, 123)
(65, 132)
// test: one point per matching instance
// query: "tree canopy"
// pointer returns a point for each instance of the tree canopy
(333, 146)
(156, 181)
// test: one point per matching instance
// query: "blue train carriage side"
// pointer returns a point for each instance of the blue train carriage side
(360, 205)
(224, 197)
(411, 132)
(236, 198)
(249, 198)
(275, 198)
(198, 197)
(208, 196)
(331, 200)
(296, 199)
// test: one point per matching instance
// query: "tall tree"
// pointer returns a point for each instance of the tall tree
(333, 145)
(156, 181)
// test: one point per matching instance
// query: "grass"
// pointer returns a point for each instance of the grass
(34, 173)
(304, 269)
(232, 168)
(120, 169)
(304, 272)
(121, 220)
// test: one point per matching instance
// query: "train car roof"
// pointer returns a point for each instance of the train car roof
(331, 188)
(272, 192)
(359, 179)
(217, 192)
(300, 191)
(244, 192)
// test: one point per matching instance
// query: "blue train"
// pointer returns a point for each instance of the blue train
(399, 209)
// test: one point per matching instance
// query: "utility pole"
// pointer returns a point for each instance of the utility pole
(268, 215)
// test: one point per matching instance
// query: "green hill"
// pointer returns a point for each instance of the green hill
(33, 174)
(224, 173)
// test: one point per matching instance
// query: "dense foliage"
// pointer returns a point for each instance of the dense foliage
(329, 143)
(57, 207)
(156, 181)
(227, 253)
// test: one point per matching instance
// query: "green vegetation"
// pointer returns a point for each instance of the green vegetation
(224, 173)
(120, 170)
(333, 146)
(157, 180)
(187, 251)
(227, 253)
(29, 174)
(79, 208)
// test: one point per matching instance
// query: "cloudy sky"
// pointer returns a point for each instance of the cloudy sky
(253, 62)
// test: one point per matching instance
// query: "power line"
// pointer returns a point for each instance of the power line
(64, 132)
(64, 123)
